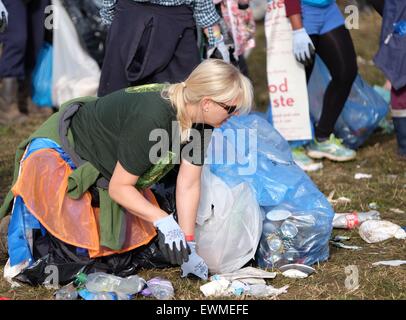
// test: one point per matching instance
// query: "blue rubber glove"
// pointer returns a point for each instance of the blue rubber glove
(195, 265)
(3, 17)
(171, 240)
(303, 47)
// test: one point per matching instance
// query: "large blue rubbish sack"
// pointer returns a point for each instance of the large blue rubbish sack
(362, 112)
(42, 78)
(300, 223)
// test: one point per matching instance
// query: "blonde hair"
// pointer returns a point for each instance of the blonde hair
(212, 78)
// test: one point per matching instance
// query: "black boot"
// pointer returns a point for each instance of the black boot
(24, 92)
(400, 130)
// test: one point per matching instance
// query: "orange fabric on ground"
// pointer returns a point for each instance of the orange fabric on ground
(42, 184)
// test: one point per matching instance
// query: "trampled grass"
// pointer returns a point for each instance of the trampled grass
(387, 188)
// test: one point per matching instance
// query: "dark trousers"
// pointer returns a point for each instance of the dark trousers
(23, 38)
(149, 43)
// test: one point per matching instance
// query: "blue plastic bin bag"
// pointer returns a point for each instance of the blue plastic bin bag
(362, 112)
(279, 184)
(42, 78)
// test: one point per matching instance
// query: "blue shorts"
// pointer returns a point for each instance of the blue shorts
(319, 21)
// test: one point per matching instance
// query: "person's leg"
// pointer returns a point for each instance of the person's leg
(14, 40)
(398, 102)
(337, 51)
(12, 61)
(35, 40)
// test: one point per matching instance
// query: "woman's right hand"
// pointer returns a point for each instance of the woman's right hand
(171, 240)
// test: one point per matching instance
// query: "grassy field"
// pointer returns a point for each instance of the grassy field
(387, 188)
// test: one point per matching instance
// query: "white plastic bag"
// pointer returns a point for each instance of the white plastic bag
(373, 231)
(74, 72)
(229, 224)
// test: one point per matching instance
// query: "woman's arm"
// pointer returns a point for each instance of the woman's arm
(294, 13)
(122, 191)
(188, 196)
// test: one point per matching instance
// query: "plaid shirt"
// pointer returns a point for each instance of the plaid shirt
(204, 11)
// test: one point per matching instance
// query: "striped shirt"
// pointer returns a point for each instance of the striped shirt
(204, 11)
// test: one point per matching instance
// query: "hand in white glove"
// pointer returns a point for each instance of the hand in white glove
(195, 265)
(303, 47)
(171, 240)
(222, 49)
(3, 17)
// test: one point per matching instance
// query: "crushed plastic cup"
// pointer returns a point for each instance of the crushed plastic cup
(275, 244)
(289, 230)
(278, 215)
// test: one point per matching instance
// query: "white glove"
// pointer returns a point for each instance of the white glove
(171, 240)
(303, 47)
(3, 17)
(195, 265)
(222, 49)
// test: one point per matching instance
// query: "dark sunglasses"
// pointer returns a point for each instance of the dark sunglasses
(229, 109)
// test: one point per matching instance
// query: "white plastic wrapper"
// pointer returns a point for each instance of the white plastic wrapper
(373, 231)
(74, 72)
(229, 224)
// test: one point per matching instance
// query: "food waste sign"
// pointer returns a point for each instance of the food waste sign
(286, 77)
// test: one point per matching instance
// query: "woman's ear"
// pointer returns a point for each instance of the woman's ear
(205, 104)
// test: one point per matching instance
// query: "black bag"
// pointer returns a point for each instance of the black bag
(87, 21)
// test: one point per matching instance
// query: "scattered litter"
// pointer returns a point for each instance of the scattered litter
(340, 238)
(396, 210)
(218, 288)
(352, 220)
(248, 273)
(392, 263)
(337, 241)
(392, 176)
(215, 288)
(67, 292)
(359, 176)
(373, 206)
(103, 282)
(266, 291)
(344, 246)
(161, 289)
(297, 266)
(295, 274)
(340, 200)
(4, 298)
(373, 231)
(89, 295)
(238, 288)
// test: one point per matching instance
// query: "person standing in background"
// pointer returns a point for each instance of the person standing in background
(155, 41)
(319, 27)
(391, 58)
(22, 41)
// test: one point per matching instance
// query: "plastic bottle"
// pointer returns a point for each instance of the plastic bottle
(67, 292)
(160, 288)
(103, 282)
(88, 295)
(352, 220)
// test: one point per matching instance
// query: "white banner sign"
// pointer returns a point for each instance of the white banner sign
(286, 77)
